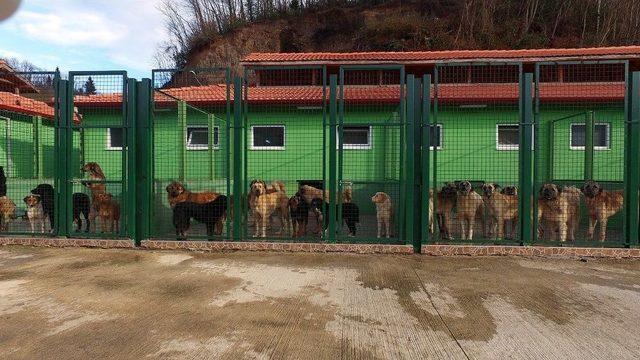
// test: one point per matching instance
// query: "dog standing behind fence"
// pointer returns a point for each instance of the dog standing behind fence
(384, 213)
(108, 211)
(266, 200)
(503, 207)
(560, 208)
(35, 212)
(469, 205)
(95, 173)
(7, 206)
(601, 205)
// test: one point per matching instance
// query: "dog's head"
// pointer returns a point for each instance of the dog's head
(449, 190)
(93, 169)
(258, 187)
(295, 201)
(490, 188)
(316, 205)
(380, 198)
(591, 189)
(550, 191)
(43, 190)
(104, 198)
(175, 189)
(464, 187)
(31, 200)
(510, 190)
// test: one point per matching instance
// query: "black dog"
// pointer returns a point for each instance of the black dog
(208, 214)
(3, 182)
(299, 210)
(81, 205)
(46, 195)
(350, 214)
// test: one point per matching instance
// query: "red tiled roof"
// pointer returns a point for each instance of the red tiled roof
(23, 105)
(216, 94)
(437, 56)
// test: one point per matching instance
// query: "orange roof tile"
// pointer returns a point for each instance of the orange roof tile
(427, 57)
(23, 105)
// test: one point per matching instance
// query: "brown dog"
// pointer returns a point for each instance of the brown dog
(445, 202)
(7, 212)
(601, 205)
(108, 212)
(94, 171)
(469, 205)
(384, 212)
(502, 207)
(177, 193)
(560, 208)
(266, 200)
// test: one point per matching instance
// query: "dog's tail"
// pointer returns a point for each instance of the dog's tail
(347, 194)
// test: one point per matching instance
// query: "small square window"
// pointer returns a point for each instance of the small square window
(267, 137)
(115, 138)
(600, 136)
(356, 137)
(198, 137)
(507, 137)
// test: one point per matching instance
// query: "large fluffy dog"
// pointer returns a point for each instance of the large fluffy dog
(35, 212)
(108, 211)
(209, 214)
(177, 193)
(384, 213)
(81, 205)
(265, 200)
(445, 202)
(46, 193)
(502, 207)
(560, 209)
(601, 205)
(94, 171)
(299, 212)
(469, 205)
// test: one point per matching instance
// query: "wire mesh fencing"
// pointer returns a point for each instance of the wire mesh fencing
(27, 123)
(192, 156)
(474, 149)
(97, 154)
(285, 142)
(370, 154)
(580, 152)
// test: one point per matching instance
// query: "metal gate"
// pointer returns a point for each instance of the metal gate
(191, 142)
(370, 150)
(97, 149)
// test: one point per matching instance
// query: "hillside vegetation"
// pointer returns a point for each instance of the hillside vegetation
(213, 32)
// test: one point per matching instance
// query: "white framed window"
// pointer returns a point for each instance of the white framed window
(115, 138)
(198, 137)
(507, 136)
(267, 137)
(601, 136)
(356, 137)
(436, 138)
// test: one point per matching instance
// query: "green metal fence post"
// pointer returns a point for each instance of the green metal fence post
(412, 193)
(130, 200)
(143, 174)
(333, 183)
(66, 142)
(61, 155)
(211, 133)
(632, 170)
(525, 157)
(425, 157)
(238, 161)
(589, 126)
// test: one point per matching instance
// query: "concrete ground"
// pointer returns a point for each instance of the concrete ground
(131, 304)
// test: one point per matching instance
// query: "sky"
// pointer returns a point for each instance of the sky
(85, 35)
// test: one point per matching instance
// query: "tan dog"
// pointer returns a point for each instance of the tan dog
(177, 193)
(35, 213)
(445, 202)
(108, 211)
(309, 193)
(502, 207)
(601, 205)
(469, 205)
(94, 171)
(560, 208)
(7, 212)
(384, 213)
(266, 200)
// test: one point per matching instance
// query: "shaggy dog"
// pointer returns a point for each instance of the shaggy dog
(108, 211)
(46, 193)
(469, 205)
(81, 205)
(299, 212)
(177, 193)
(384, 212)
(502, 207)
(266, 200)
(209, 214)
(560, 208)
(309, 193)
(35, 213)
(445, 202)
(601, 205)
